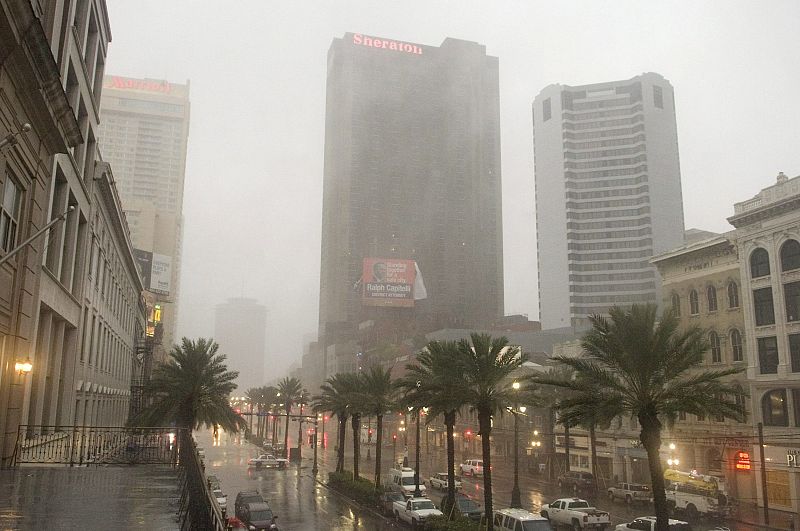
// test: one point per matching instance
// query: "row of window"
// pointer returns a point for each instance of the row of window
(789, 257)
(768, 358)
(715, 344)
(711, 299)
(775, 407)
(764, 308)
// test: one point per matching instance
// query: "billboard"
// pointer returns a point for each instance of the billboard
(155, 269)
(388, 282)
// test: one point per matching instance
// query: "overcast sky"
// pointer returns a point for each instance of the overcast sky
(257, 70)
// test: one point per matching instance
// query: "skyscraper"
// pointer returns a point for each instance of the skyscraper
(144, 134)
(240, 326)
(412, 173)
(608, 194)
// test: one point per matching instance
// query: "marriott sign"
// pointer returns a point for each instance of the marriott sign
(376, 42)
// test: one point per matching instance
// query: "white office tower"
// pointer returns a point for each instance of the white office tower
(608, 194)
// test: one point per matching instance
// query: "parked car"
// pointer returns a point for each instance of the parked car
(472, 467)
(576, 481)
(415, 511)
(213, 482)
(468, 508)
(648, 523)
(268, 461)
(221, 498)
(439, 481)
(520, 520)
(631, 493)
(245, 497)
(256, 516)
(576, 513)
(387, 500)
(402, 480)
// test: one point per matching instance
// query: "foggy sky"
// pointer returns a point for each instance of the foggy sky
(253, 195)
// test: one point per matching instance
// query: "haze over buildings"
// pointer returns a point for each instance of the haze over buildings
(240, 330)
(144, 134)
(608, 194)
(412, 172)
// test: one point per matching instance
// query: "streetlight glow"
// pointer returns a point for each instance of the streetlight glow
(515, 385)
(24, 367)
(522, 409)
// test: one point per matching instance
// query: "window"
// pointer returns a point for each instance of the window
(9, 213)
(768, 355)
(711, 295)
(796, 403)
(676, 305)
(681, 415)
(774, 408)
(762, 306)
(546, 112)
(733, 295)
(794, 351)
(694, 303)
(759, 263)
(790, 255)
(736, 345)
(716, 350)
(791, 295)
(658, 97)
(739, 397)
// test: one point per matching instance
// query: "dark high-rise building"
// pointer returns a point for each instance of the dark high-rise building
(412, 172)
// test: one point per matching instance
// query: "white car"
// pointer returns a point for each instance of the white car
(439, 481)
(648, 523)
(268, 460)
(222, 498)
(472, 467)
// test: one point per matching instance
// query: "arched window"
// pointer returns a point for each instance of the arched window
(716, 350)
(711, 295)
(733, 295)
(736, 345)
(694, 303)
(774, 407)
(676, 305)
(790, 255)
(759, 263)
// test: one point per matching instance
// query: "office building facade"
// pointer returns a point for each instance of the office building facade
(608, 194)
(412, 172)
(144, 136)
(240, 328)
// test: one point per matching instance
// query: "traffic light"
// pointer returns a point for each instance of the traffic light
(394, 436)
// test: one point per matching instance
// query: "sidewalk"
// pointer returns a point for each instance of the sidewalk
(89, 498)
(753, 516)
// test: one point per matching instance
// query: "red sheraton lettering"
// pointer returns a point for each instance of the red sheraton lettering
(374, 42)
(139, 84)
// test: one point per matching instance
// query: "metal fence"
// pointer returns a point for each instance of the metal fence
(113, 445)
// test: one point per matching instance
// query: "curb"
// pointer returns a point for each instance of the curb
(350, 500)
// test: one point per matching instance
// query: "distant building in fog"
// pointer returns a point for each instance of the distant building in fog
(412, 172)
(608, 194)
(240, 326)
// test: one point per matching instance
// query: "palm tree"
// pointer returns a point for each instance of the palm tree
(191, 390)
(356, 408)
(270, 394)
(642, 367)
(555, 395)
(335, 396)
(379, 395)
(290, 390)
(487, 363)
(441, 389)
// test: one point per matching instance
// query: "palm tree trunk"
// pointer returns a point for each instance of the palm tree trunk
(566, 445)
(286, 432)
(450, 421)
(485, 424)
(593, 442)
(651, 439)
(342, 433)
(356, 424)
(274, 432)
(378, 441)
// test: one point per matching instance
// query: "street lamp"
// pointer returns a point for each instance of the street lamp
(315, 468)
(417, 491)
(516, 501)
(24, 367)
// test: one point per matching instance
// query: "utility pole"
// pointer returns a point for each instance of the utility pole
(763, 472)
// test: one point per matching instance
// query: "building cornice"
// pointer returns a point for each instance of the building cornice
(784, 206)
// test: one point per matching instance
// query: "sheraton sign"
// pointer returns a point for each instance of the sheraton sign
(118, 82)
(376, 42)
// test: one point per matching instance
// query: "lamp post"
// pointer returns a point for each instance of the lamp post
(315, 468)
(417, 491)
(394, 449)
(516, 502)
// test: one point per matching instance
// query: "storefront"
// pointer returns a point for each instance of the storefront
(783, 477)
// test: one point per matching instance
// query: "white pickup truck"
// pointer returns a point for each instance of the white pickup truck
(631, 493)
(576, 513)
(268, 461)
(415, 511)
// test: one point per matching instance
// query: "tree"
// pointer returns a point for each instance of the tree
(554, 396)
(441, 389)
(635, 365)
(335, 396)
(487, 363)
(379, 394)
(291, 392)
(191, 390)
(356, 408)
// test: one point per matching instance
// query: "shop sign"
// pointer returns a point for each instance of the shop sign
(743, 461)
(793, 458)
